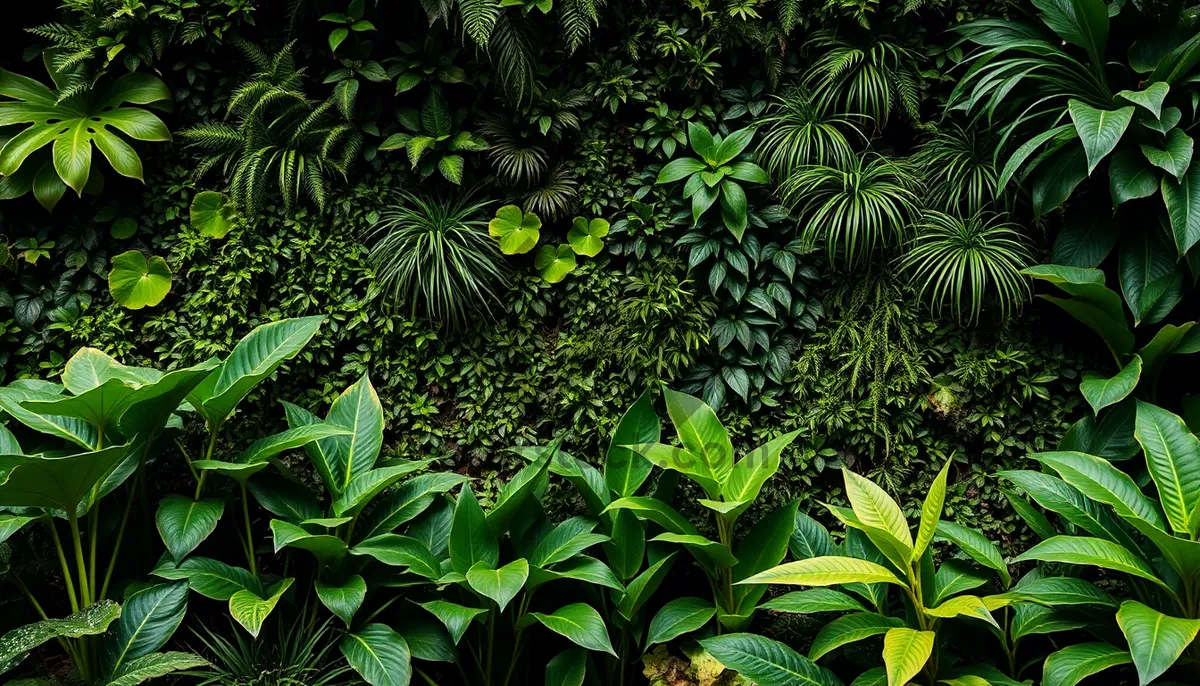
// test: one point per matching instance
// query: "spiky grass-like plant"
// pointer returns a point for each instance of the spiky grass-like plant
(436, 255)
(857, 210)
(299, 656)
(963, 263)
(872, 77)
(956, 164)
(516, 159)
(797, 132)
(552, 198)
(277, 136)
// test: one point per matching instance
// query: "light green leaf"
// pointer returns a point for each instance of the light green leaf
(363, 488)
(1099, 480)
(55, 482)
(625, 470)
(586, 237)
(500, 585)
(136, 282)
(1173, 459)
(210, 578)
(212, 214)
(580, 624)
(401, 551)
(1101, 392)
(702, 435)
(250, 610)
(825, 571)
(905, 652)
(324, 546)
(518, 231)
(679, 617)
(91, 621)
(656, 511)
(1155, 640)
(343, 599)
(554, 263)
(379, 655)
(1073, 664)
(931, 511)
(456, 618)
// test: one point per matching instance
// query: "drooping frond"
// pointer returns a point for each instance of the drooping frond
(479, 18)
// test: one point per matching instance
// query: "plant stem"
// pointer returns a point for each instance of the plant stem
(62, 560)
(491, 645)
(425, 677)
(249, 532)
(77, 540)
(93, 534)
(187, 458)
(382, 607)
(112, 561)
(66, 646)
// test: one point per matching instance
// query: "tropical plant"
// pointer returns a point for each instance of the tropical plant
(799, 133)
(516, 156)
(715, 175)
(1072, 108)
(958, 170)
(880, 551)
(430, 62)
(345, 24)
(436, 256)
(74, 122)
(963, 263)
(857, 211)
(872, 77)
(729, 487)
(93, 433)
(184, 523)
(432, 140)
(297, 656)
(663, 130)
(277, 136)
(1148, 540)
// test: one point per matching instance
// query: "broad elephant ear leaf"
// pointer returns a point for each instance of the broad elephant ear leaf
(136, 282)
(59, 483)
(212, 214)
(253, 359)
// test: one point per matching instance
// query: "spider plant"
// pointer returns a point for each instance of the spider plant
(963, 262)
(297, 657)
(958, 168)
(436, 254)
(872, 77)
(855, 210)
(797, 131)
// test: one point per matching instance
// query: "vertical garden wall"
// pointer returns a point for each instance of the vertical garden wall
(522, 342)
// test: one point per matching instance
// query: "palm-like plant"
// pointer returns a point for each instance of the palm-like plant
(277, 134)
(554, 195)
(957, 166)
(961, 263)
(856, 210)
(873, 77)
(516, 158)
(437, 255)
(799, 132)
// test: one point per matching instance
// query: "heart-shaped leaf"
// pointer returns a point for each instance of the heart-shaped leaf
(184, 523)
(579, 623)
(553, 264)
(585, 236)
(501, 585)
(136, 282)
(251, 610)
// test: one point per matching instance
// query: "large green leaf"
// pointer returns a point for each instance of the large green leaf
(1069, 666)
(975, 545)
(74, 123)
(471, 541)
(270, 446)
(1151, 97)
(184, 523)
(679, 617)
(1096, 552)
(905, 652)
(568, 668)
(518, 490)
(351, 456)
(1099, 480)
(956, 576)
(767, 662)
(585, 237)
(762, 548)
(55, 482)
(100, 406)
(1155, 640)
(656, 511)
(253, 359)
(1183, 207)
(682, 461)
(406, 502)
(702, 434)
(208, 577)
(500, 585)
(1091, 302)
(428, 640)
(136, 282)
(814, 600)
(1055, 180)
(285, 498)
(212, 214)
(877, 512)
(1058, 496)
(1101, 392)
(624, 470)
(1129, 177)
(517, 231)
(643, 586)
(379, 655)
(1099, 130)
(1057, 591)
(456, 618)
(153, 402)
(364, 487)
(850, 628)
(153, 666)
(343, 598)
(91, 621)
(579, 568)
(810, 538)
(1079, 22)
(711, 554)
(324, 546)
(1173, 459)
(580, 624)
(931, 511)
(1147, 261)
(1175, 158)
(825, 571)
(753, 470)
(627, 548)
(148, 619)
(250, 609)
(566, 540)
(401, 551)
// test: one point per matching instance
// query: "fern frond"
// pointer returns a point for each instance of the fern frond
(479, 18)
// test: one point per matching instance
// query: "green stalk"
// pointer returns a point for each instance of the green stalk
(491, 645)
(249, 532)
(425, 677)
(68, 581)
(93, 534)
(77, 541)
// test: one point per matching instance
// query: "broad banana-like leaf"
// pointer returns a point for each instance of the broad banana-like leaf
(148, 620)
(354, 454)
(70, 429)
(1073, 664)
(1096, 552)
(1172, 454)
(60, 483)
(752, 471)
(1099, 480)
(153, 666)
(1155, 640)
(905, 652)
(767, 662)
(825, 571)
(625, 470)
(931, 511)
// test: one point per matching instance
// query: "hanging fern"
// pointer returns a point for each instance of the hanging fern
(578, 17)
(479, 18)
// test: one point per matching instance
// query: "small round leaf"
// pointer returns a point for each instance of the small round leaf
(136, 283)
(123, 228)
(518, 232)
(554, 263)
(212, 214)
(585, 237)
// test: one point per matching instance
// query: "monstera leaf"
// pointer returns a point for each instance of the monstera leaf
(73, 124)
